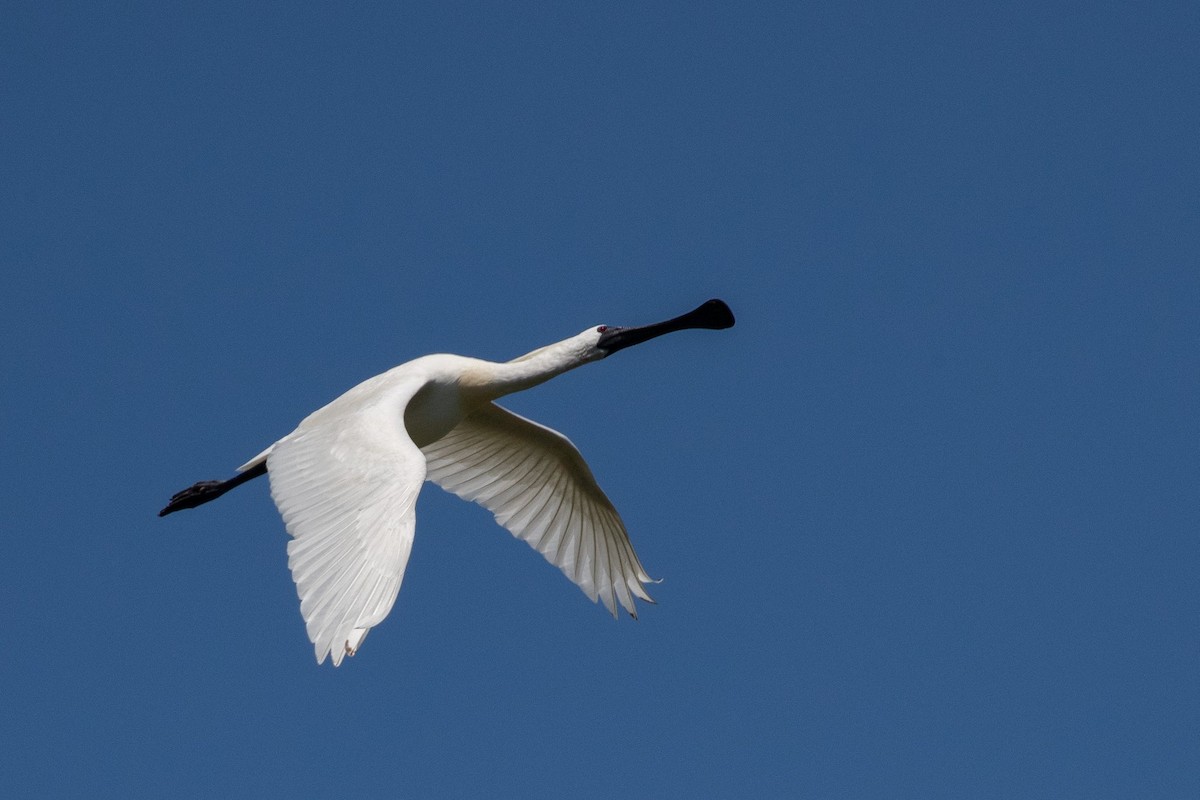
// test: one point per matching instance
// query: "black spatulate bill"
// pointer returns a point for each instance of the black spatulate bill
(713, 315)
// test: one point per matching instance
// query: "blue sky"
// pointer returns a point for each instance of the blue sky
(926, 518)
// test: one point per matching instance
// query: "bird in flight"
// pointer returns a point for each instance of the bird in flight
(346, 480)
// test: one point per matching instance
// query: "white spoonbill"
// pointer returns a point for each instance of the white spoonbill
(346, 480)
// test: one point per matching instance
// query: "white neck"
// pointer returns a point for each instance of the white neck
(536, 367)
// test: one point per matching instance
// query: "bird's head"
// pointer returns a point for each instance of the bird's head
(601, 341)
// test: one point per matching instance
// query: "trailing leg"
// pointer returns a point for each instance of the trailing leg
(205, 491)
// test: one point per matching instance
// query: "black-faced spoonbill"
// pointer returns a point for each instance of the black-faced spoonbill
(346, 480)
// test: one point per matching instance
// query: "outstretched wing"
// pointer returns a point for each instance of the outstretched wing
(539, 487)
(346, 483)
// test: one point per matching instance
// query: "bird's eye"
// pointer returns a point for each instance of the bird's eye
(602, 329)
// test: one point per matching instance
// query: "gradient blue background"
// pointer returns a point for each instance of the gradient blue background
(927, 517)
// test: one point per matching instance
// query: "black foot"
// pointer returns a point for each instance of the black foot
(200, 493)
(195, 495)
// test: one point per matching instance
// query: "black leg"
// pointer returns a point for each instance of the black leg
(204, 491)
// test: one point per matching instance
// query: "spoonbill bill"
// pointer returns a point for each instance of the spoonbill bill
(346, 480)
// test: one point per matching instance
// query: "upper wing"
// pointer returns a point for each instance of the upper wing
(346, 484)
(539, 487)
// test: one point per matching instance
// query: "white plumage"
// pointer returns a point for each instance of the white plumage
(541, 490)
(346, 480)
